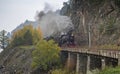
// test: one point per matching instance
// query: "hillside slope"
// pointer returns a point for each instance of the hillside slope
(17, 60)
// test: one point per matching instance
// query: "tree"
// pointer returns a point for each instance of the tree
(37, 35)
(3, 39)
(26, 36)
(46, 55)
(108, 27)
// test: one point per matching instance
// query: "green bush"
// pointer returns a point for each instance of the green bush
(46, 55)
(111, 71)
(61, 71)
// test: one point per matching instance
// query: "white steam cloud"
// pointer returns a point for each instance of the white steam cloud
(52, 23)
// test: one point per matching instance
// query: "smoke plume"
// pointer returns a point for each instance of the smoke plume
(50, 22)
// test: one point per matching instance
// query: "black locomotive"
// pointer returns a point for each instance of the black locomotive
(64, 39)
(67, 39)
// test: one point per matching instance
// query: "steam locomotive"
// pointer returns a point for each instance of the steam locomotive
(67, 39)
(64, 39)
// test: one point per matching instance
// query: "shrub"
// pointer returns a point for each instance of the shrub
(111, 71)
(61, 71)
(46, 55)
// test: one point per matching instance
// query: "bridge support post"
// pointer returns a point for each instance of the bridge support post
(103, 63)
(88, 64)
(118, 59)
(77, 64)
(68, 61)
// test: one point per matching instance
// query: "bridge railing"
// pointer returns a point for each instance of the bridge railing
(107, 53)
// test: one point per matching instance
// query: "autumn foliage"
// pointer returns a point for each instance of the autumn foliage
(26, 36)
(46, 53)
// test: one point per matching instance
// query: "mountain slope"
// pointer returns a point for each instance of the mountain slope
(27, 22)
(17, 60)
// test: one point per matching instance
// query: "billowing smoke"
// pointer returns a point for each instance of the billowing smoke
(47, 8)
(51, 23)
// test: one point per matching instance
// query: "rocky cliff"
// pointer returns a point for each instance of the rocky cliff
(98, 19)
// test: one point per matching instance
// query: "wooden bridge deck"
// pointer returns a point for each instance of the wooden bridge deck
(106, 53)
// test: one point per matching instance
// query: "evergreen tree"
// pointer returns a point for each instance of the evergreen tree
(3, 39)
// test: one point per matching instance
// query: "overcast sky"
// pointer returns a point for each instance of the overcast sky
(15, 12)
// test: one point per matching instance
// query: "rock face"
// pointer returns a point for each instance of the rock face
(100, 18)
(16, 61)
